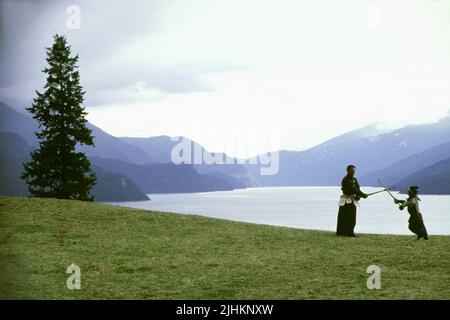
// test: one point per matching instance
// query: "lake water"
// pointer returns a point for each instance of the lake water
(301, 207)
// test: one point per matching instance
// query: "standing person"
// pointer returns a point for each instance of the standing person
(348, 202)
(415, 222)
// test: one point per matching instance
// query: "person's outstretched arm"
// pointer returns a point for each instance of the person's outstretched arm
(402, 203)
(358, 191)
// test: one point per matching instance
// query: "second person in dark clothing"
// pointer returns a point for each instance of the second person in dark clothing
(415, 222)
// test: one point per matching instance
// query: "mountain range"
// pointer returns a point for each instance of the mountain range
(160, 149)
(370, 149)
(113, 160)
(128, 168)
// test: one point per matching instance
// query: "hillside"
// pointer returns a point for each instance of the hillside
(405, 167)
(115, 187)
(14, 151)
(434, 179)
(165, 177)
(16, 122)
(135, 254)
(108, 146)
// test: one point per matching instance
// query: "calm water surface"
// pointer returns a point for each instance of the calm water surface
(301, 207)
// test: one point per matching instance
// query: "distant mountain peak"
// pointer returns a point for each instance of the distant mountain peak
(377, 128)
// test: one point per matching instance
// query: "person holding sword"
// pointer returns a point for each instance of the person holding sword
(415, 221)
(348, 202)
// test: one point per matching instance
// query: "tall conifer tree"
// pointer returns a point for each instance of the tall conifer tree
(56, 169)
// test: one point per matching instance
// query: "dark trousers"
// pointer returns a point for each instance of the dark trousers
(416, 225)
(346, 220)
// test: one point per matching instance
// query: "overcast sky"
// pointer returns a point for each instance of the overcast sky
(298, 71)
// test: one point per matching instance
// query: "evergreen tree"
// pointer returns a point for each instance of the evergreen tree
(56, 170)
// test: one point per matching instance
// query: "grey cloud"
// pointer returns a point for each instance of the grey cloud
(27, 27)
(116, 85)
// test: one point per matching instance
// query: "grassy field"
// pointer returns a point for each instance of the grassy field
(136, 254)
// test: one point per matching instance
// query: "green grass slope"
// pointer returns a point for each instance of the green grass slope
(136, 254)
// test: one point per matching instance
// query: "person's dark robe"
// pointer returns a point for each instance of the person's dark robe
(415, 221)
(346, 220)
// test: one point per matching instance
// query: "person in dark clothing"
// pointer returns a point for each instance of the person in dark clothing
(415, 222)
(351, 193)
